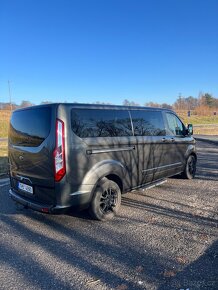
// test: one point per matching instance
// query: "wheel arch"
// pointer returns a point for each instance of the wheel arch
(116, 179)
(194, 154)
(191, 150)
(111, 169)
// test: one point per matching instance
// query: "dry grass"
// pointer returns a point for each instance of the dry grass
(3, 148)
(3, 157)
(196, 119)
(4, 122)
(209, 124)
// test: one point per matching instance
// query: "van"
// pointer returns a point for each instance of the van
(80, 155)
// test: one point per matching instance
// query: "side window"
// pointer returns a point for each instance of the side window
(100, 123)
(175, 126)
(148, 123)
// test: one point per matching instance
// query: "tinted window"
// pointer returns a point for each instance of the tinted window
(175, 126)
(100, 123)
(148, 123)
(30, 127)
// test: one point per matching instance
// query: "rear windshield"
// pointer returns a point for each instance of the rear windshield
(30, 127)
(100, 123)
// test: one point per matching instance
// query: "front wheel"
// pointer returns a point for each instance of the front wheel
(190, 168)
(106, 200)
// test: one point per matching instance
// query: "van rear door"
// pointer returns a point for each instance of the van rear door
(31, 144)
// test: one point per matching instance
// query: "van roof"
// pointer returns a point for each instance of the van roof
(97, 106)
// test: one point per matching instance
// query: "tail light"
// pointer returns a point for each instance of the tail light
(59, 152)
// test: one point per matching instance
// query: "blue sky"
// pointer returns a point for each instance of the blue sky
(108, 50)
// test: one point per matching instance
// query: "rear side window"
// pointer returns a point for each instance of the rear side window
(175, 126)
(100, 123)
(30, 127)
(148, 123)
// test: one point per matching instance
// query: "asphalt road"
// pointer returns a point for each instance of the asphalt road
(163, 238)
(210, 138)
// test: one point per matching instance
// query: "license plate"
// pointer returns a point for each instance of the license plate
(25, 187)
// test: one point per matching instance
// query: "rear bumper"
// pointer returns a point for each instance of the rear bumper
(36, 206)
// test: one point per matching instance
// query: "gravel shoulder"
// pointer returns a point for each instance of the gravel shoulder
(163, 238)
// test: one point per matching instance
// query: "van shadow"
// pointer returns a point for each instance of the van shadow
(201, 274)
(166, 211)
(83, 249)
(80, 250)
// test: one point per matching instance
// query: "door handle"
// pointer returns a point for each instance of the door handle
(172, 139)
(163, 139)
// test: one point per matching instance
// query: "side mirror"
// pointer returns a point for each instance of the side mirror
(190, 129)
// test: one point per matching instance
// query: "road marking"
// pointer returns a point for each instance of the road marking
(4, 184)
(4, 180)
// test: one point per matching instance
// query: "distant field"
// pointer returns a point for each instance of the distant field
(4, 125)
(3, 148)
(4, 122)
(205, 125)
(196, 120)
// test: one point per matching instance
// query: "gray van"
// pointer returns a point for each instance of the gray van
(86, 156)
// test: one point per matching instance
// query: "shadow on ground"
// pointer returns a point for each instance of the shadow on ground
(202, 274)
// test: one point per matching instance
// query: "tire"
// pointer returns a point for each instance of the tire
(190, 168)
(106, 200)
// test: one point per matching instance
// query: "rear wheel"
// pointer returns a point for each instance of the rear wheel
(106, 200)
(190, 168)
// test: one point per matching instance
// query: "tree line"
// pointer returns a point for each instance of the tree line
(183, 103)
(204, 104)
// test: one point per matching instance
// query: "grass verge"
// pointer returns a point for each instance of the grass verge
(196, 120)
(3, 157)
(4, 122)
